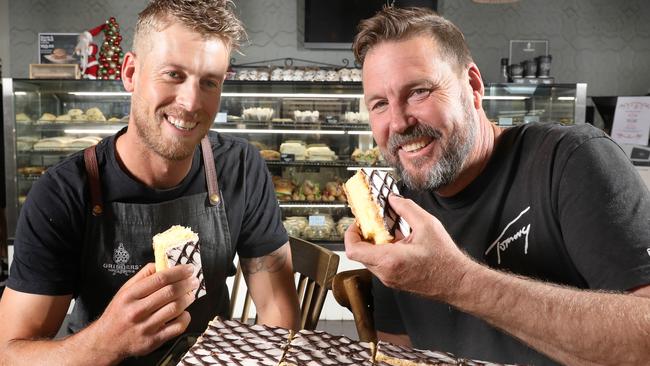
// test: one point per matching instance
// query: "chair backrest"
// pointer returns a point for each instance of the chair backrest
(315, 268)
(353, 290)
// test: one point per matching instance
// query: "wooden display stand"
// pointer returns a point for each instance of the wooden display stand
(54, 71)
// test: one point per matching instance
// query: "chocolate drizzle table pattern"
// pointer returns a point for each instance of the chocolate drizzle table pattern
(228, 342)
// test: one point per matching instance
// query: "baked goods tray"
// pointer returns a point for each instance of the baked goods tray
(29, 177)
(53, 151)
(312, 203)
(56, 126)
(243, 123)
(335, 163)
(178, 349)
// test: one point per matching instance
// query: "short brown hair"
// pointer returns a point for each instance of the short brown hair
(396, 24)
(209, 18)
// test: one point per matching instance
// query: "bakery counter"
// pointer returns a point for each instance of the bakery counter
(331, 123)
(30, 177)
(348, 164)
(82, 127)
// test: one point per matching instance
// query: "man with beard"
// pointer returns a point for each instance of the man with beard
(528, 244)
(85, 231)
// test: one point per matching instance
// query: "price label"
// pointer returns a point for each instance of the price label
(316, 220)
(287, 157)
(222, 117)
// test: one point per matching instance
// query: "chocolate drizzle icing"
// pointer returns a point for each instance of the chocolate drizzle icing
(228, 342)
(381, 184)
(189, 253)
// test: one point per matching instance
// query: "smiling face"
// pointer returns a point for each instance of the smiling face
(421, 111)
(176, 87)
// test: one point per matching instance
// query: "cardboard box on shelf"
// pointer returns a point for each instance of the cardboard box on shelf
(54, 71)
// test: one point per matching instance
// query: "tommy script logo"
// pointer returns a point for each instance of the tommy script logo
(121, 257)
(502, 244)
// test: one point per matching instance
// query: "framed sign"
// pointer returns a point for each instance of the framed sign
(57, 48)
(632, 121)
(526, 49)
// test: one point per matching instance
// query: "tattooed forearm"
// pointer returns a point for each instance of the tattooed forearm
(272, 262)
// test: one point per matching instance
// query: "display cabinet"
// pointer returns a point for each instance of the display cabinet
(313, 135)
(512, 104)
(47, 120)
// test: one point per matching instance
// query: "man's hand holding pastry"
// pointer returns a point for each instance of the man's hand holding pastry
(426, 262)
(148, 310)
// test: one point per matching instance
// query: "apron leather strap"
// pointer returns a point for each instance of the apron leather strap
(210, 171)
(92, 169)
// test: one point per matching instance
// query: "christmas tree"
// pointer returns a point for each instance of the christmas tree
(111, 54)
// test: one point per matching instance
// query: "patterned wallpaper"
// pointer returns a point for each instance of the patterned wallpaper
(604, 43)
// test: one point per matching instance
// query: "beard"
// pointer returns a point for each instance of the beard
(149, 130)
(454, 151)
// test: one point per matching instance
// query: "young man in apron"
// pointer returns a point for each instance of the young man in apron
(86, 230)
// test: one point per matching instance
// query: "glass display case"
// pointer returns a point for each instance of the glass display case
(313, 135)
(512, 104)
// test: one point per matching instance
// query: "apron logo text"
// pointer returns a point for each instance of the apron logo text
(121, 256)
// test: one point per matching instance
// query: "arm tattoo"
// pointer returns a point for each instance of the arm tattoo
(272, 262)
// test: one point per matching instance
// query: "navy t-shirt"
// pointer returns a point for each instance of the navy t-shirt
(555, 203)
(51, 225)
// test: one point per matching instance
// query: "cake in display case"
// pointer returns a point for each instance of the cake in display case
(313, 135)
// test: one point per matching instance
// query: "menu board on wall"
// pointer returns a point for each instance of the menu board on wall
(57, 48)
(632, 120)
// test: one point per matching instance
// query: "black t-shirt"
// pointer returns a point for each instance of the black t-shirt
(555, 203)
(50, 230)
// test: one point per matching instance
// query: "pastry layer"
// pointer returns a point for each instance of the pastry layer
(367, 193)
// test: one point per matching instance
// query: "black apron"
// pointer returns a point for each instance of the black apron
(118, 243)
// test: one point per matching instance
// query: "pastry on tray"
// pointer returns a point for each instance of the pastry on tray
(84, 142)
(94, 114)
(31, 170)
(47, 117)
(22, 118)
(53, 143)
(270, 155)
(297, 148)
(63, 118)
(320, 153)
(229, 342)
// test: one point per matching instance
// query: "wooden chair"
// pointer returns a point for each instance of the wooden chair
(352, 289)
(315, 266)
